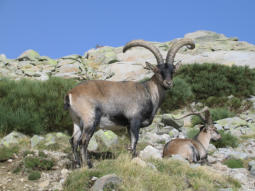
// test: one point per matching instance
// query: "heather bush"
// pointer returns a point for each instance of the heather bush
(218, 80)
(34, 107)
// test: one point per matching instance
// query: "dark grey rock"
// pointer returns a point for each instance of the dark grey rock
(102, 182)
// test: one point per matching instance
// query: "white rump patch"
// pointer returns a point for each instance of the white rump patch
(70, 98)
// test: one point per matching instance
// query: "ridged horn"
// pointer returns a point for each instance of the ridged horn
(146, 45)
(176, 46)
(199, 114)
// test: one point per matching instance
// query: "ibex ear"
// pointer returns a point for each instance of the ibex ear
(149, 66)
(177, 66)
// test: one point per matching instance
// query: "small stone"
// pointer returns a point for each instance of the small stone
(251, 163)
(211, 148)
(94, 178)
(139, 162)
(64, 173)
(180, 158)
(150, 152)
(44, 184)
(10, 160)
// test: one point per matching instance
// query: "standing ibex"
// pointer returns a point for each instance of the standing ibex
(194, 150)
(102, 104)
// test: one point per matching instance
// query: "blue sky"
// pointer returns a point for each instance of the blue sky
(58, 28)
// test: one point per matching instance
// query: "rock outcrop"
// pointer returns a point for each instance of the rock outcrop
(109, 63)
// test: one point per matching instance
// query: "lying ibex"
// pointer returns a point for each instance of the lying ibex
(102, 104)
(194, 150)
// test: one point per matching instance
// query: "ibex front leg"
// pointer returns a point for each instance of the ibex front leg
(134, 134)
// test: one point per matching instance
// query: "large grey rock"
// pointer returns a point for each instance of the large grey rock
(50, 139)
(36, 139)
(108, 138)
(29, 55)
(103, 55)
(251, 166)
(101, 183)
(150, 152)
(153, 138)
(124, 71)
(13, 138)
(93, 146)
(223, 153)
(180, 158)
(230, 123)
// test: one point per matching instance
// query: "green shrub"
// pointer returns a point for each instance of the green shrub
(34, 175)
(177, 96)
(37, 163)
(42, 154)
(216, 113)
(227, 140)
(34, 107)
(234, 163)
(27, 152)
(7, 152)
(218, 80)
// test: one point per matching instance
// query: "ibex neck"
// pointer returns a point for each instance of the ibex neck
(156, 90)
(204, 139)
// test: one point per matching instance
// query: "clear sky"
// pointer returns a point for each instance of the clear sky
(58, 28)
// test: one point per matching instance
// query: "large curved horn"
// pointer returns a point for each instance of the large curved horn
(146, 45)
(199, 114)
(176, 46)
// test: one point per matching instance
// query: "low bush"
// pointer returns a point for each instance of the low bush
(37, 163)
(34, 107)
(34, 175)
(218, 80)
(7, 152)
(234, 163)
(227, 140)
(210, 84)
(177, 96)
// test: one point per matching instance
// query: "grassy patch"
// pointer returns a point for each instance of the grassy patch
(171, 175)
(37, 163)
(234, 163)
(250, 136)
(34, 175)
(7, 152)
(227, 140)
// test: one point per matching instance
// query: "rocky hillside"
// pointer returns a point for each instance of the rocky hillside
(110, 63)
(44, 162)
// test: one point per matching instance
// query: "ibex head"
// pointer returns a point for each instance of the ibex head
(164, 69)
(208, 125)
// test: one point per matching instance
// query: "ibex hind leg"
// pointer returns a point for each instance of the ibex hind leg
(74, 141)
(89, 128)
